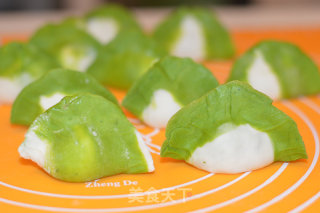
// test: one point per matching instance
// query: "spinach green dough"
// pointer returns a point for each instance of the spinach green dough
(169, 85)
(106, 22)
(20, 64)
(196, 33)
(83, 138)
(232, 129)
(72, 47)
(125, 59)
(278, 69)
(47, 91)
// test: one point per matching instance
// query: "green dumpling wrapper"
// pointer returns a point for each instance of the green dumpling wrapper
(194, 32)
(169, 84)
(83, 138)
(72, 47)
(20, 64)
(278, 69)
(50, 89)
(106, 22)
(232, 129)
(125, 59)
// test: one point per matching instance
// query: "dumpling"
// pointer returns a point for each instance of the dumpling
(232, 129)
(278, 69)
(50, 89)
(73, 48)
(169, 85)
(195, 33)
(20, 64)
(83, 138)
(106, 22)
(125, 59)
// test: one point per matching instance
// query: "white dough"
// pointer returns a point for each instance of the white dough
(238, 150)
(145, 152)
(48, 101)
(192, 41)
(71, 61)
(161, 108)
(262, 78)
(33, 148)
(102, 29)
(86, 61)
(10, 88)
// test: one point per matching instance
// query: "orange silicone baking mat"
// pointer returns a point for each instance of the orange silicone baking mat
(176, 186)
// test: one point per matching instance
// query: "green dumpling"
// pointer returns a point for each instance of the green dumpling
(106, 22)
(232, 129)
(125, 59)
(20, 64)
(83, 138)
(278, 69)
(169, 85)
(195, 33)
(72, 47)
(47, 91)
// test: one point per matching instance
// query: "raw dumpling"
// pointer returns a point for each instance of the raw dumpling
(194, 33)
(232, 129)
(278, 69)
(73, 48)
(169, 85)
(125, 59)
(106, 22)
(83, 138)
(20, 64)
(49, 90)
